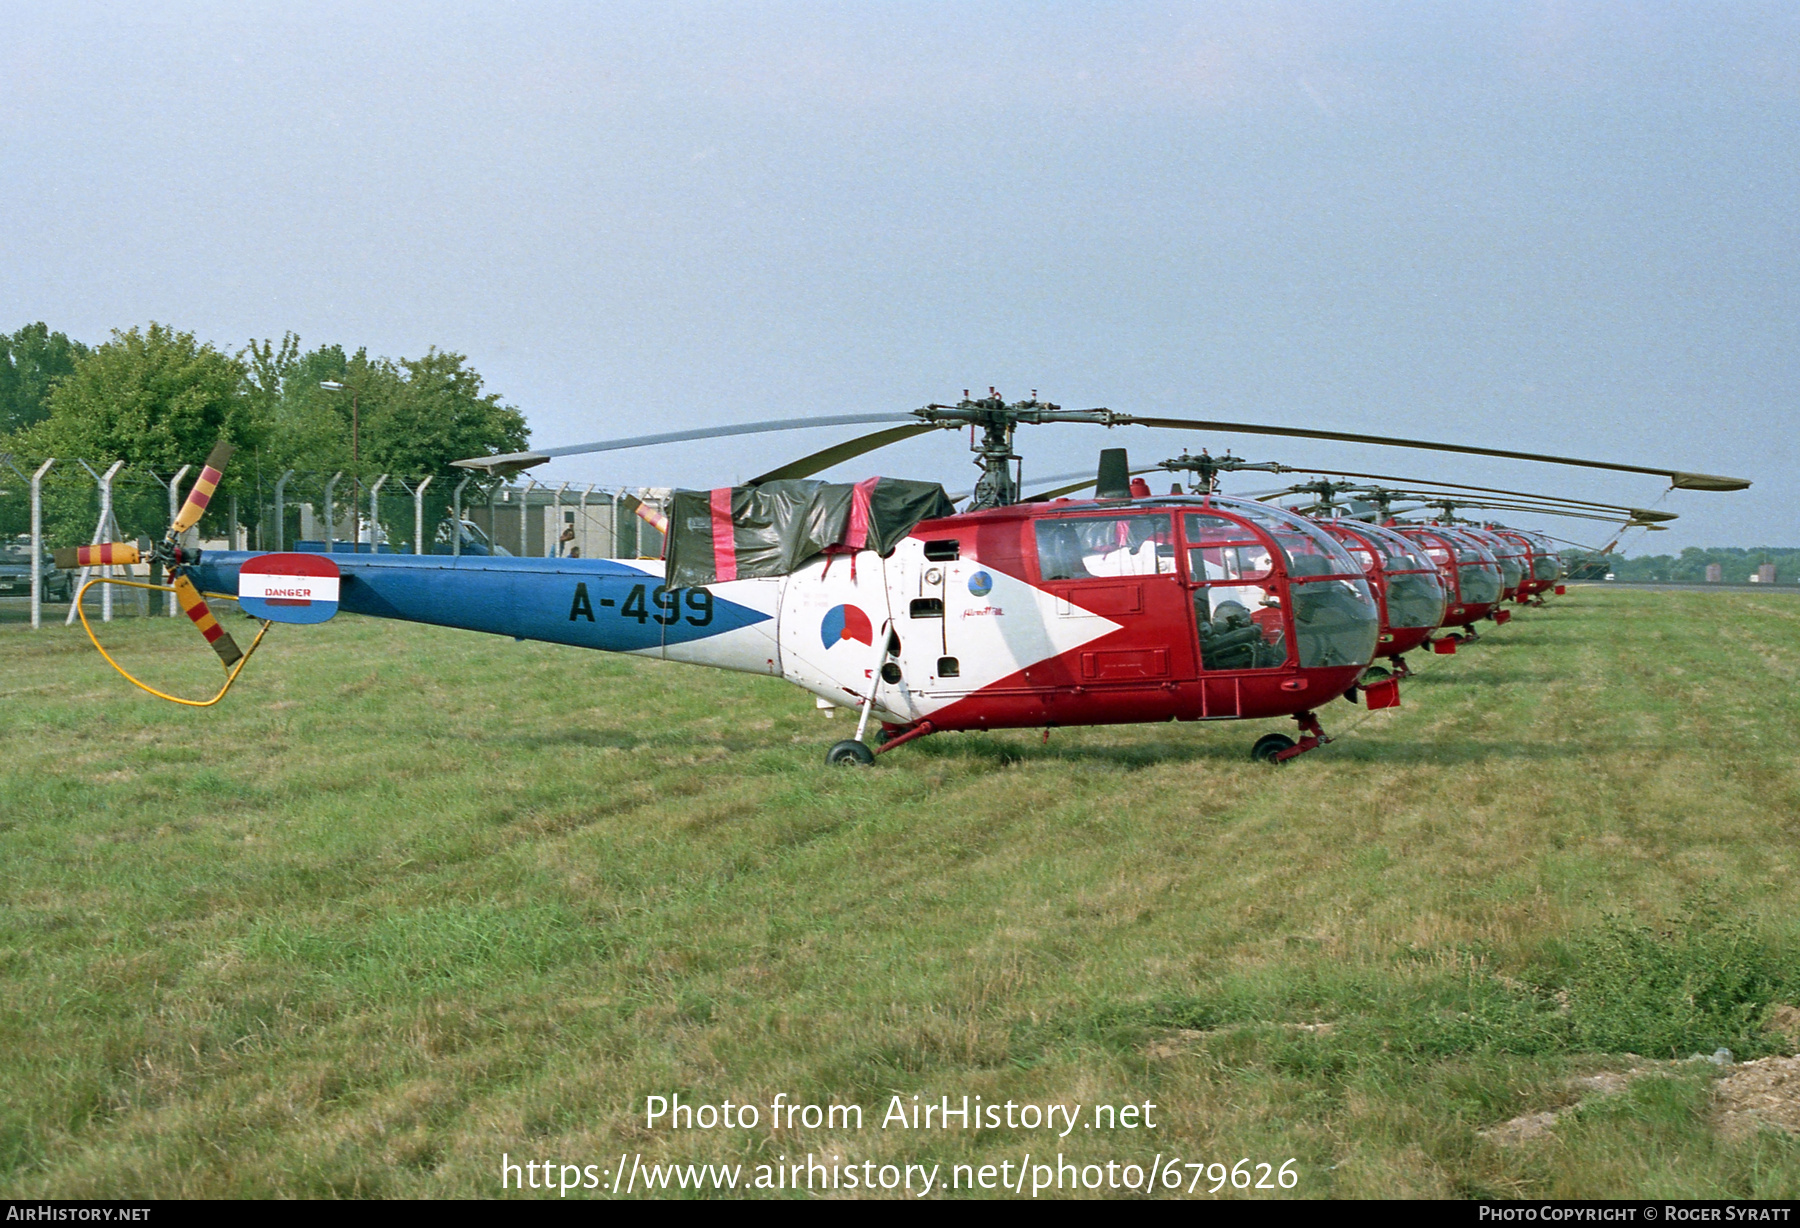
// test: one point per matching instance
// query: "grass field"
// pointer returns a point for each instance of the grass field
(413, 898)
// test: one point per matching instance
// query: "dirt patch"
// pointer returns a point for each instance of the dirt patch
(1176, 1043)
(1760, 1093)
(1784, 1020)
(1606, 1083)
(1182, 1040)
(1530, 1126)
(1521, 1129)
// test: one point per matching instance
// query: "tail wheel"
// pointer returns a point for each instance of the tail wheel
(849, 753)
(1268, 746)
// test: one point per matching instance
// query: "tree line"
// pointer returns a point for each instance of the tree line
(158, 398)
(1736, 565)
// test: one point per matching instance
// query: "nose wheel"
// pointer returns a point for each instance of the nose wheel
(854, 753)
(1269, 746)
(1279, 748)
(849, 753)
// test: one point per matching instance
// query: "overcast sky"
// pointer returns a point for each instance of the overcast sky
(1557, 227)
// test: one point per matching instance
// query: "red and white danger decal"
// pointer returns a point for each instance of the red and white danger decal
(289, 588)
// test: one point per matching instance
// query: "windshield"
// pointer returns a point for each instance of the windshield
(1309, 549)
(1237, 606)
(1335, 622)
(1415, 599)
(1477, 571)
(1402, 553)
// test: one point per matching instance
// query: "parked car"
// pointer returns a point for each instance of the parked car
(15, 572)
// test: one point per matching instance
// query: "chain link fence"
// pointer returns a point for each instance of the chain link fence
(71, 502)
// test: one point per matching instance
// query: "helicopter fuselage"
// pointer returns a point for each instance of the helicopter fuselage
(971, 622)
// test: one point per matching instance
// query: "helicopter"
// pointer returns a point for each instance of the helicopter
(1018, 611)
(1538, 564)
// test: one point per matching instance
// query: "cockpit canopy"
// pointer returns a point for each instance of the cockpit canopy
(1248, 563)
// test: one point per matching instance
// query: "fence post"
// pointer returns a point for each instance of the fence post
(100, 534)
(636, 525)
(37, 544)
(331, 514)
(174, 511)
(281, 510)
(418, 495)
(524, 521)
(375, 511)
(456, 530)
(108, 530)
(555, 550)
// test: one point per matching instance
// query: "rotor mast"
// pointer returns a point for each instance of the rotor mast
(1206, 468)
(995, 420)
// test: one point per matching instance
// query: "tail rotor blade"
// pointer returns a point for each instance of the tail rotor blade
(194, 606)
(106, 554)
(202, 491)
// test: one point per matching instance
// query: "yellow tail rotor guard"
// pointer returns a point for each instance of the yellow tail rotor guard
(142, 686)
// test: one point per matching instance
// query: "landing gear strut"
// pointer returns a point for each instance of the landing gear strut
(1279, 748)
(853, 752)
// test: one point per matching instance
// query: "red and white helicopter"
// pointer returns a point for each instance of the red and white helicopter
(1016, 612)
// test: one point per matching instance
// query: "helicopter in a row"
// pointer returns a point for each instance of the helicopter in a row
(1017, 611)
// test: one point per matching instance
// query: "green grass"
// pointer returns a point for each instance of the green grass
(412, 898)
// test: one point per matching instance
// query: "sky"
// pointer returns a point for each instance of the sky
(1564, 228)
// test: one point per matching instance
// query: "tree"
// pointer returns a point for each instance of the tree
(436, 414)
(156, 399)
(413, 417)
(31, 361)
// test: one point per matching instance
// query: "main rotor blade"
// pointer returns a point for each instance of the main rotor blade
(512, 462)
(1678, 478)
(1637, 512)
(825, 458)
(1547, 504)
(1524, 507)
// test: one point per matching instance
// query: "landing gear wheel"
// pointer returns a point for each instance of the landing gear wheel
(849, 753)
(1374, 674)
(1270, 745)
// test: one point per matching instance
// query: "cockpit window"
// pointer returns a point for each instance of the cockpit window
(1310, 550)
(1092, 547)
(1238, 604)
(1335, 622)
(1415, 599)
